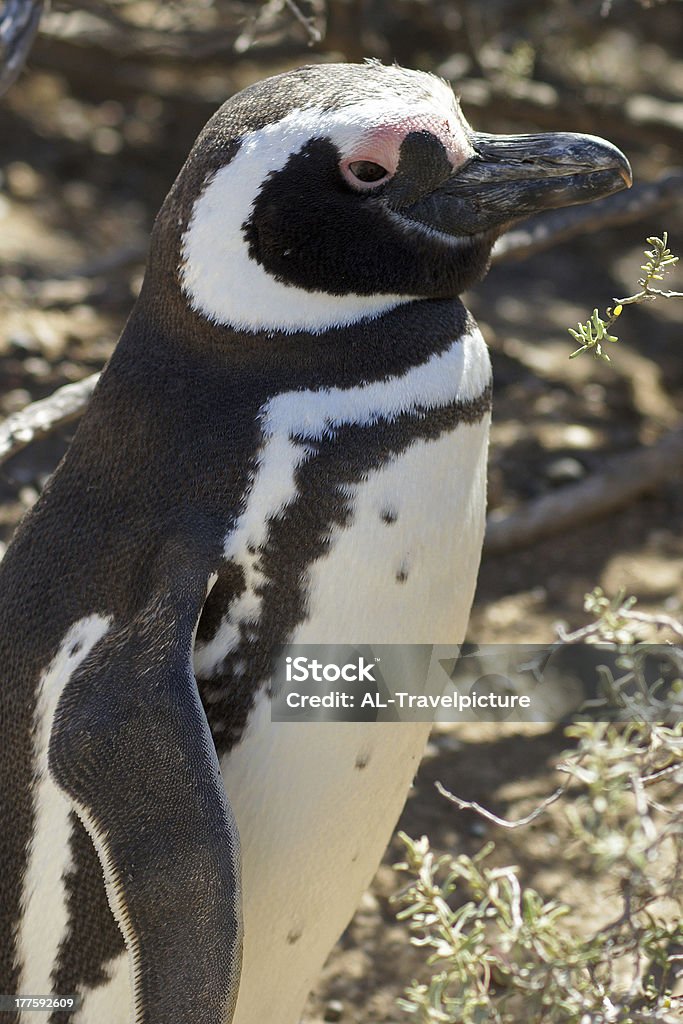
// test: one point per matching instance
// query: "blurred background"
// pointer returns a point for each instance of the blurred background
(94, 132)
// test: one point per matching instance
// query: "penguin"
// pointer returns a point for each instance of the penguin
(288, 445)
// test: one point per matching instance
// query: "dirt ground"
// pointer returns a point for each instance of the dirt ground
(80, 184)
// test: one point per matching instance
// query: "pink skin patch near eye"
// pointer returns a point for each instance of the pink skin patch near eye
(382, 145)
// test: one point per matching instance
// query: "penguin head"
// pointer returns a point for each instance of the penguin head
(334, 192)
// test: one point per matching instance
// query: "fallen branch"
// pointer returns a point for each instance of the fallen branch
(623, 479)
(42, 418)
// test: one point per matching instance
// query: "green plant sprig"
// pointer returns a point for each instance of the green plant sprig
(592, 334)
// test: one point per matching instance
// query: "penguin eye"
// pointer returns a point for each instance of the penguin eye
(367, 171)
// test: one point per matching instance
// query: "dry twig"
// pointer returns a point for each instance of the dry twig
(471, 805)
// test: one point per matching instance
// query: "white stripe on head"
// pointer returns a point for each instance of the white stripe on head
(219, 277)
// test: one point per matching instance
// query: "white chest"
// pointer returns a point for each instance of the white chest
(316, 803)
(404, 570)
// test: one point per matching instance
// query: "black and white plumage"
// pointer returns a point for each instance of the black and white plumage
(289, 444)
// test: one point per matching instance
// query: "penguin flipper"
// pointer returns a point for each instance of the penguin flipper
(132, 750)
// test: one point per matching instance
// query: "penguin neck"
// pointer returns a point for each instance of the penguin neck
(166, 336)
(186, 400)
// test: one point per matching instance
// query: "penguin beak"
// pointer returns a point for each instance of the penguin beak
(512, 176)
